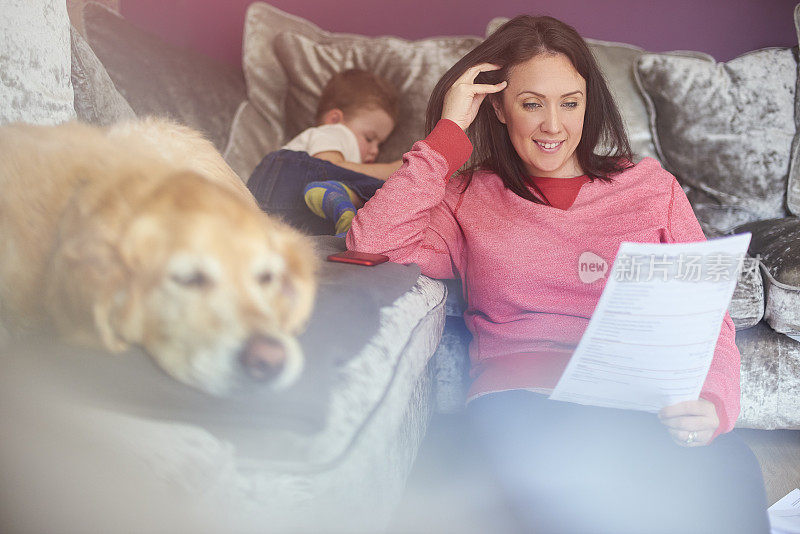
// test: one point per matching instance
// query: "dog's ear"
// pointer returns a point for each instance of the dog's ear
(85, 283)
(143, 244)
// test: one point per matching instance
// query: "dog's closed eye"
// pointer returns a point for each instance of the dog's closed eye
(195, 279)
(193, 272)
(268, 270)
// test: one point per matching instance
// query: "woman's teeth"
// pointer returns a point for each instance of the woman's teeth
(549, 146)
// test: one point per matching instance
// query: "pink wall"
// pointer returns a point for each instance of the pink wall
(722, 28)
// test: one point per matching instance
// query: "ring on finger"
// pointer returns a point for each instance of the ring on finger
(691, 438)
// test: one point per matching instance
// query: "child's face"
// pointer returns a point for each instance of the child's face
(371, 126)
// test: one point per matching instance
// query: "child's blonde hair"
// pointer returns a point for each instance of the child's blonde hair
(356, 89)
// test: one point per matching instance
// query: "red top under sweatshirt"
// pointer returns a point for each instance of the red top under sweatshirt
(527, 308)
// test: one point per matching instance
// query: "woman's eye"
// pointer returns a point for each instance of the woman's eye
(531, 105)
(571, 105)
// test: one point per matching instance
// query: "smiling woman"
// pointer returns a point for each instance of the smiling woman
(550, 185)
(556, 93)
(543, 108)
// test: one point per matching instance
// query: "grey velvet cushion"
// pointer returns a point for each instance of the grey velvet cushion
(35, 57)
(617, 60)
(777, 243)
(793, 192)
(97, 100)
(251, 139)
(770, 379)
(160, 79)
(413, 67)
(259, 125)
(270, 117)
(726, 129)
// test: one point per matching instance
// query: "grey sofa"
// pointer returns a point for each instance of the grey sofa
(345, 469)
(733, 149)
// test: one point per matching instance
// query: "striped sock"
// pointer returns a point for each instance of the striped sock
(331, 200)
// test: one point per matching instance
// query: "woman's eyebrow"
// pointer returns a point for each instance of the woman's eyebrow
(543, 96)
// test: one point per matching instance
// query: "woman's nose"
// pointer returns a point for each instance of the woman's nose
(552, 122)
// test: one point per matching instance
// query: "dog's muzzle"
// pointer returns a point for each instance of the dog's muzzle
(263, 358)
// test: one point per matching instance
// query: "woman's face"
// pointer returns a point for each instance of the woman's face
(543, 108)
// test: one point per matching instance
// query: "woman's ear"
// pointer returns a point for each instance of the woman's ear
(497, 105)
(333, 116)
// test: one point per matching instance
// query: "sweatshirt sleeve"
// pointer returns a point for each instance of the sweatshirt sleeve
(722, 382)
(411, 218)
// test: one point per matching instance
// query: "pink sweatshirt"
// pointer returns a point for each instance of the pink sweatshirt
(527, 308)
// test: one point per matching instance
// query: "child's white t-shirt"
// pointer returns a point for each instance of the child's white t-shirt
(336, 137)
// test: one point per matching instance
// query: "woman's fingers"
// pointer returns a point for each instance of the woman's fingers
(463, 99)
(688, 439)
(467, 79)
(698, 407)
(469, 75)
(690, 423)
(489, 88)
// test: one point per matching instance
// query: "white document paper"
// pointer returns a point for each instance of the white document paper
(784, 515)
(652, 336)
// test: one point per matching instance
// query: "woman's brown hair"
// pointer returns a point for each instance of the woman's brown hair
(513, 43)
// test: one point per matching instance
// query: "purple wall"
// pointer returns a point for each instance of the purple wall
(722, 28)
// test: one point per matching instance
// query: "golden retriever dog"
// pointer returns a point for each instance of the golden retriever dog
(141, 235)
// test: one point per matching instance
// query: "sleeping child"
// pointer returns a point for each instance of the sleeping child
(318, 179)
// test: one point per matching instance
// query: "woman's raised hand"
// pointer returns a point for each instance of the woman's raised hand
(462, 100)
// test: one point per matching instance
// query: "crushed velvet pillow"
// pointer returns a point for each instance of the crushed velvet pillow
(35, 84)
(793, 192)
(770, 379)
(97, 101)
(616, 60)
(163, 80)
(261, 125)
(726, 129)
(413, 67)
(777, 243)
(266, 80)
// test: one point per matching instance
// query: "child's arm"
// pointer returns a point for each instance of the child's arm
(412, 218)
(381, 171)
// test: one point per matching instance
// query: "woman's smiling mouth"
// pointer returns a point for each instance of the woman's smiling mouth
(549, 146)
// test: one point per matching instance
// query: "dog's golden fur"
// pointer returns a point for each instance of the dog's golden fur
(141, 235)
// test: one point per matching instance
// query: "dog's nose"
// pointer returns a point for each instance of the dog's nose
(263, 357)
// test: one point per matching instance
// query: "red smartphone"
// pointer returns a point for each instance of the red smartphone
(359, 258)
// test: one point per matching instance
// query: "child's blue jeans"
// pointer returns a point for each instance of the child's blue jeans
(279, 180)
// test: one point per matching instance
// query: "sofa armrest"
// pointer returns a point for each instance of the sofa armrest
(776, 243)
(157, 78)
(747, 303)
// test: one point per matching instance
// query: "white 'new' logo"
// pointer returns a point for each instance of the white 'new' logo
(591, 267)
